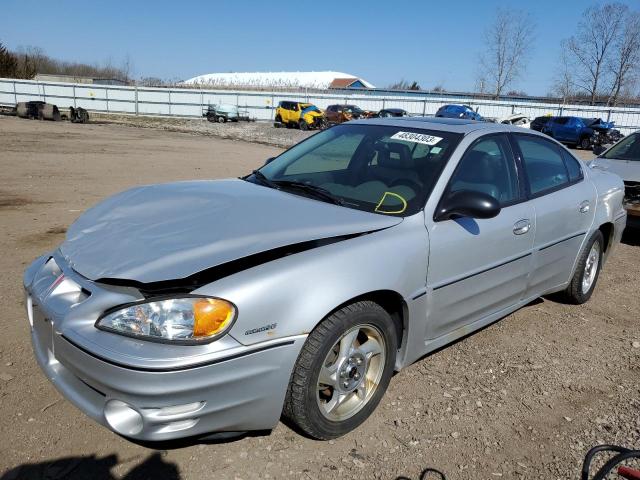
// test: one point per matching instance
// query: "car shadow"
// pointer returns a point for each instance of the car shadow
(631, 236)
(535, 301)
(212, 439)
(93, 467)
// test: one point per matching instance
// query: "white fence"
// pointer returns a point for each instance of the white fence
(260, 104)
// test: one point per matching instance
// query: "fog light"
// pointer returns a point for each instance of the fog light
(122, 418)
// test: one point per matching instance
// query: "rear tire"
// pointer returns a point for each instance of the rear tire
(587, 271)
(342, 372)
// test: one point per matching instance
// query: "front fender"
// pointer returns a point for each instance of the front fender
(289, 296)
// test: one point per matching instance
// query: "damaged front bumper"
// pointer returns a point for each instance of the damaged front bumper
(144, 390)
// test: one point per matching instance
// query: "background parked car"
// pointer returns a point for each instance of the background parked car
(459, 111)
(623, 159)
(539, 122)
(225, 113)
(305, 116)
(517, 119)
(344, 113)
(577, 131)
(392, 112)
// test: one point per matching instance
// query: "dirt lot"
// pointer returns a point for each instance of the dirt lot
(255, 132)
(524, 398)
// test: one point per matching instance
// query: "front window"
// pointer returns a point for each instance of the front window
(626, 149)
(352, 109)
(488, 167)
(382, 169)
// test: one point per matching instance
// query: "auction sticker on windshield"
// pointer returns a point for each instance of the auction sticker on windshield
(416, 138)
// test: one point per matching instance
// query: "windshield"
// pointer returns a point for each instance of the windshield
(309, 108)
(626, 149)
(382, 169)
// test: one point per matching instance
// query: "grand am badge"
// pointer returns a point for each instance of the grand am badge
(271, 326)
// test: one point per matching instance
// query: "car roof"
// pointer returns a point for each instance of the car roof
(453, 125)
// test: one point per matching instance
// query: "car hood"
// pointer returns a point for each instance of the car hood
(628, 170)
(170, 231)
(599, 124)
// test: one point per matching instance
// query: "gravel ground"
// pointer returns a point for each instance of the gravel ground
(255, 132)
(524, 398)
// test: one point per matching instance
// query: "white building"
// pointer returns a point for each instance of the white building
(319, 80)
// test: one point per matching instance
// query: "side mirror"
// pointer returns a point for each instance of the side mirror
(599, 149)
(467, 203)
(269, 160)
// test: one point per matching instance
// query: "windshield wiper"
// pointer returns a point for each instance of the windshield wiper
(318, 192)
(262, 178)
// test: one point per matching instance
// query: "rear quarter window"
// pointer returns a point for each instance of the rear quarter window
(573, 167)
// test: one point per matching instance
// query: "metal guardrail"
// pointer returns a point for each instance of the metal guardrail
(186, 102)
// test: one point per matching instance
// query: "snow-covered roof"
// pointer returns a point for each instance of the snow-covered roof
(320, 80)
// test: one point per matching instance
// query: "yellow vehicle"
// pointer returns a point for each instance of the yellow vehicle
(304, 116)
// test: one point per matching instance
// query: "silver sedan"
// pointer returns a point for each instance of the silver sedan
(623, 159)
(218, 306)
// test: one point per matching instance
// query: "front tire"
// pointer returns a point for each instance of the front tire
(585, 143)
(587, 271)
(342, 372)
(303, 125)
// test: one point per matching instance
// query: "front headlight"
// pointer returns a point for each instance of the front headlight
(181, 320)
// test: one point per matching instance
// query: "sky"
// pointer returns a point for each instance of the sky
(431, 42)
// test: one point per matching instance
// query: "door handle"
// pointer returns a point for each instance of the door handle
(521, 226)
(584, 207)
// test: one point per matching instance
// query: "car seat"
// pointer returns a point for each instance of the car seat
(394, 163)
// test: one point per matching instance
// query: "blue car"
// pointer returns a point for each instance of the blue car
(577, 131)
(459, 111)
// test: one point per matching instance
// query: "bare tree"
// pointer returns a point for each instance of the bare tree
(8, 63)
(625, 64)
(481, 84)
(593, 43)
(564, 81)
(508, 44)
(404, 85)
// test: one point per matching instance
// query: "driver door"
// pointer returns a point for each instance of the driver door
(478, 267)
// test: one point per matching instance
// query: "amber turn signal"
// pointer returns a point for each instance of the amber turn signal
(211, 316)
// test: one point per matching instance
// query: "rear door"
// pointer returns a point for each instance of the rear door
(478, 267)
(284, 111)
(564, 206)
